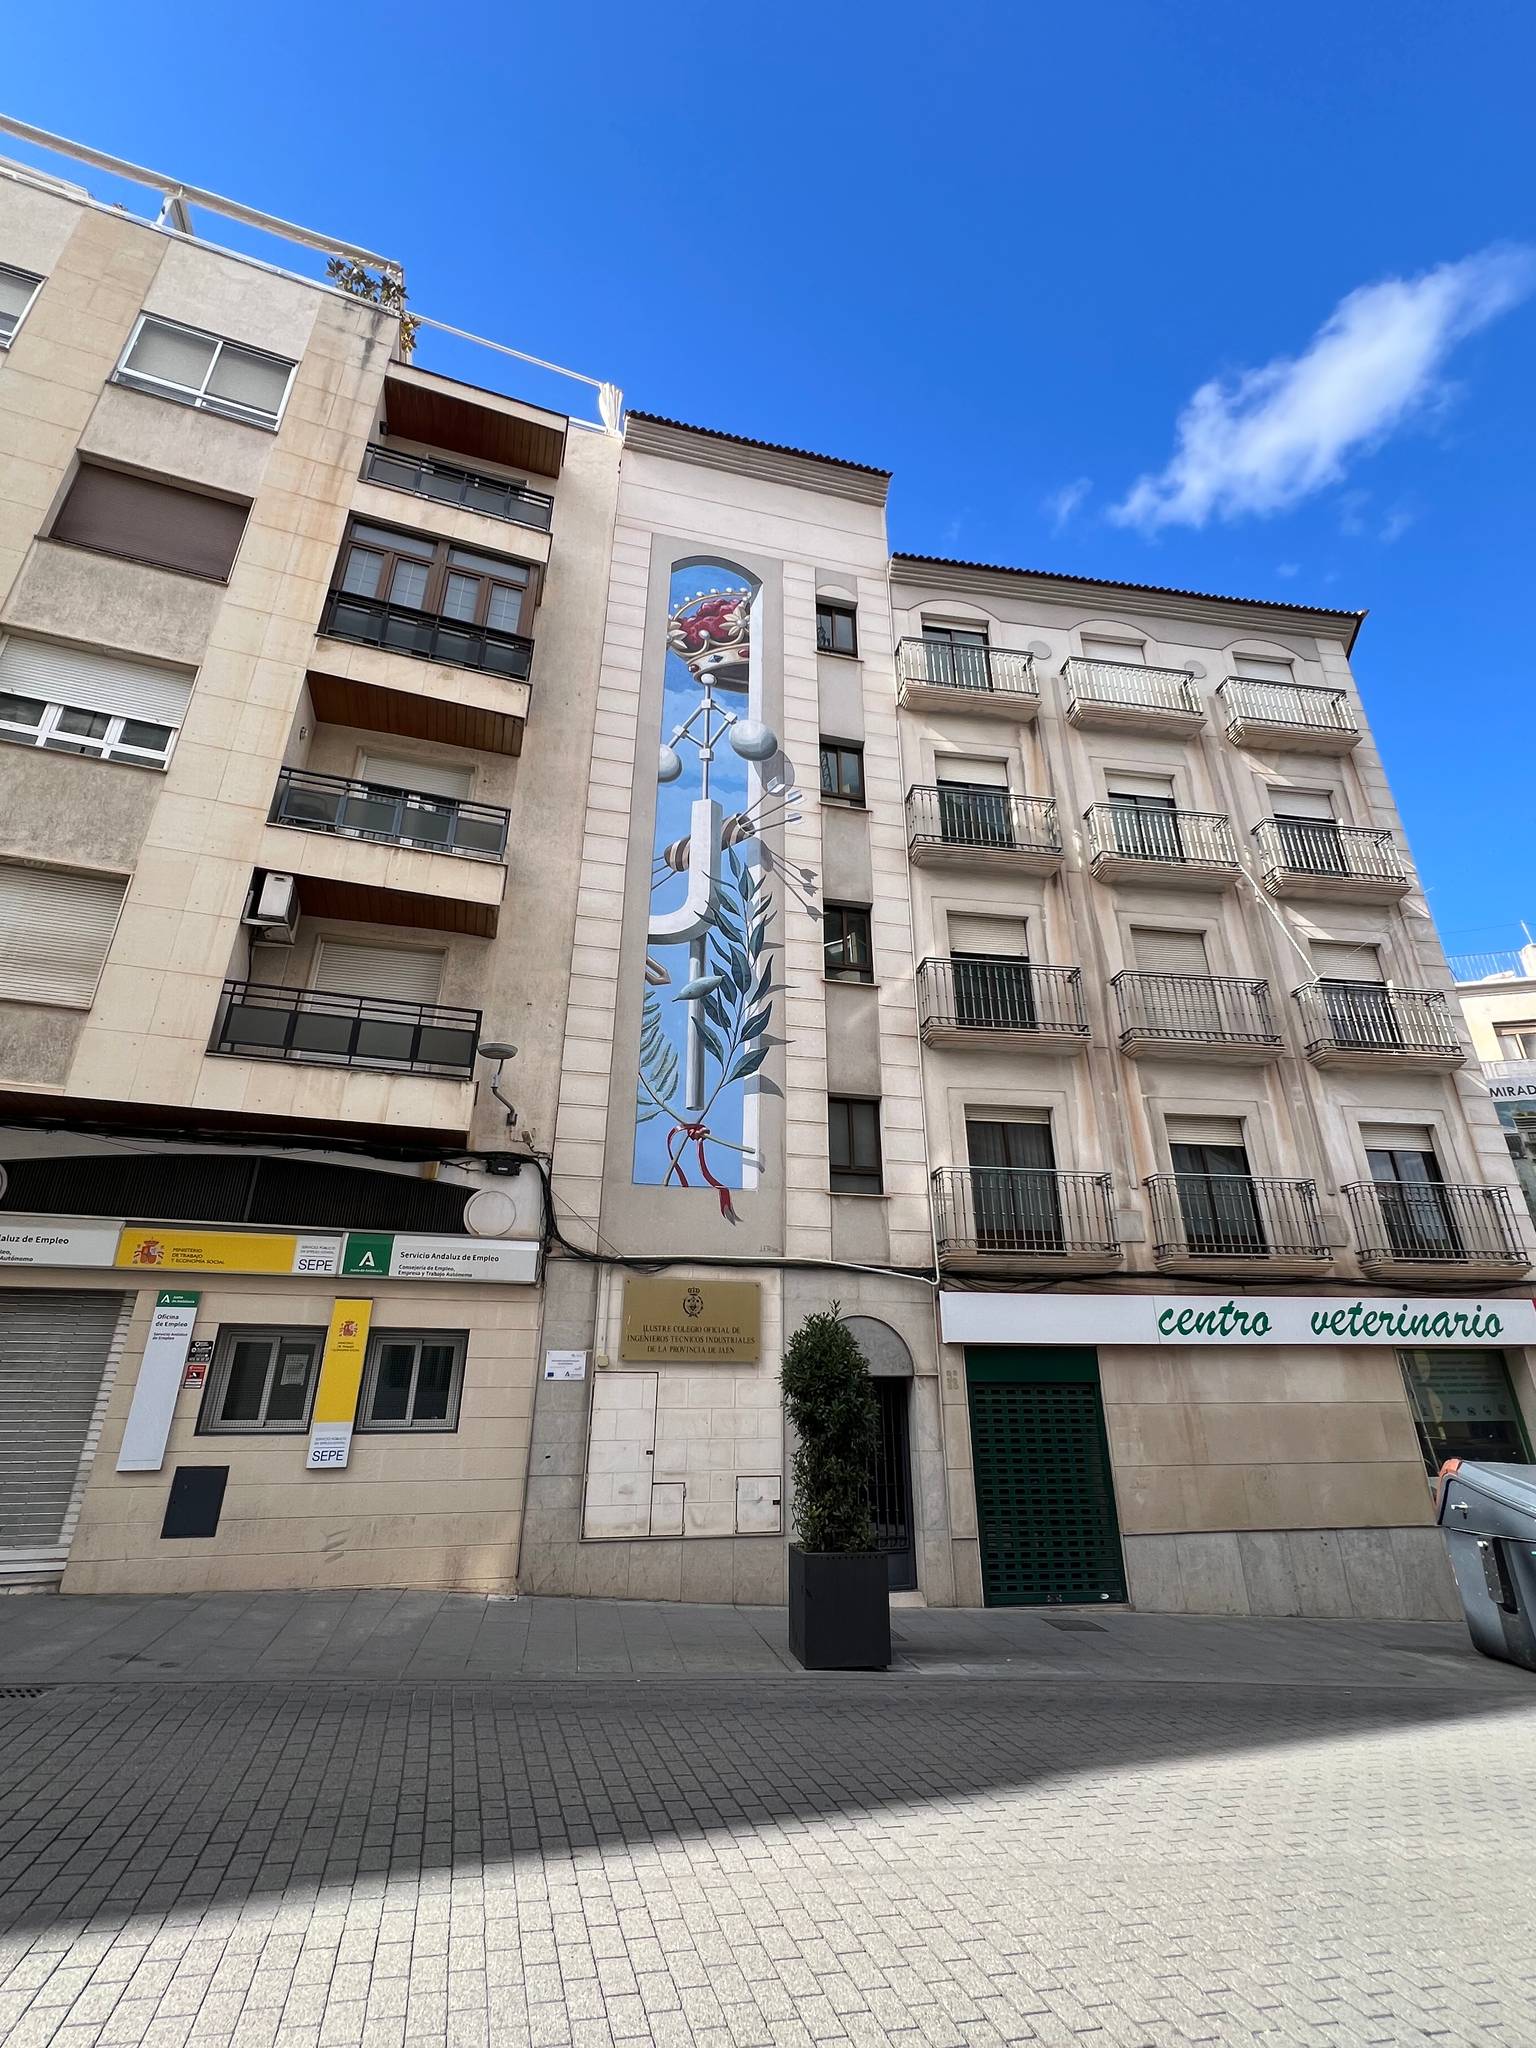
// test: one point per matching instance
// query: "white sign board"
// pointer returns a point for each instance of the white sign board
(154, 1395)
(565, 1365)
(330, 1444)
(44, 1241)
(1214, 1319)
(465, 1258)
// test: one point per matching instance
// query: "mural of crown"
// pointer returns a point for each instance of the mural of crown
(713, 634)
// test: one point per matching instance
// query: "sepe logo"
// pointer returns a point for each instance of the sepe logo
(693, 1304)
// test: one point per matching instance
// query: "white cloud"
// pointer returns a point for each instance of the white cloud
(1398, 521)
(1266, 438)
(1288, 569)
(1062, 504)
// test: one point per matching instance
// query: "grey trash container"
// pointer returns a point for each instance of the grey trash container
(1488, 1513)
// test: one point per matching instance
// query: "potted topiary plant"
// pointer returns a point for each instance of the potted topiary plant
(839, 1602)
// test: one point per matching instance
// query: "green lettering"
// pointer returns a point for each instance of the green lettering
(1165, 1322)
(1260, 1323)
(1460, 1326)
(1186, 1323)
(1319, 1322)
(1495, 1325)
(1441, 1326)
(1338, 1321)
(1370, 1323)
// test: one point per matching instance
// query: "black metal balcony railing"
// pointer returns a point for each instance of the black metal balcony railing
(1024, 1209)
(446, 485)
(980, 671)
(398, 817)
(403, 630)
(1366, 1016)
(1204, 1009)
(319, 1027)
(1317, 846)
(950, 814)
(1300, 706)
(1129, 686)
(1434, 1223)
(1134, 832)
(1235, 1216)
(1001, 995)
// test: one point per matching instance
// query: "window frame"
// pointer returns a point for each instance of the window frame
(109, 747)
(843, 751)
(851, 1169)
(843, 912)
(209, 1421)
(200, 399)
(435, 553)
(1516, 1031)
(833, 609)
(409, 1425)
(26, 277)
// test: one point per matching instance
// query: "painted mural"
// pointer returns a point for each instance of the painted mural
(718, 888)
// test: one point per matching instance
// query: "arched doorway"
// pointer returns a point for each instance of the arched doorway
(890, 1487)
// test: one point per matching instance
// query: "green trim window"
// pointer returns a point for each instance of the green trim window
(413, 1380)
(1464, 1406)
(837, 629)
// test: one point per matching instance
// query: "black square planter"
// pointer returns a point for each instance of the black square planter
(839, 1609)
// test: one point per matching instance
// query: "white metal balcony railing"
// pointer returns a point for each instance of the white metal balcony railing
(1319, 849)
(1237, 1217)
(1508, 966)
(1369, 1017)
(991, 996)
(1194, 1009)
(1000, 672)
(1299, 707)
(1178, 839)
(1435, 1223)
(1128, 686)
(986, 820)
(1024, 1210)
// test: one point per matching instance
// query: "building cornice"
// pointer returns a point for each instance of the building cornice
(1250, 614)
(708, 448)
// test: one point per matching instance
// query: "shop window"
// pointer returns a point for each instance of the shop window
(413, 1380)
(1464, 1406)
(261, 1380)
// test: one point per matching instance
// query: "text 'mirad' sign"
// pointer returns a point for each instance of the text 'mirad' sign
(691, 1322)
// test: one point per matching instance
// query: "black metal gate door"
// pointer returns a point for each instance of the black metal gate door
(1045, 1504)
(890, 1485)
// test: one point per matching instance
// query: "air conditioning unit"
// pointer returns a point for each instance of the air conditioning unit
(272, 909)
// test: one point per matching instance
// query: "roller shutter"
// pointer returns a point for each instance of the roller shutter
(1159, 952)
(398, 974)
(54, 933)
(58, 1354)
(94, 682)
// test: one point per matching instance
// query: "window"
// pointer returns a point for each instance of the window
(1410, 1192)
(413, 1379)
(845, 933)
(957, 655)
(18, 288)
(1217, 1199)
(853, 1141)
(397, 974)
(55, 929)
(74, 700)
(1015, 1197)
(1127, 653)
(204, 370)
(1263, 668)
(842, 771)
(261, 1380)
(1156, 951)
(1464, 1407)
(427, 575)
(148, 521)
(837, 629)
(1517, 1041)
(1145, 819)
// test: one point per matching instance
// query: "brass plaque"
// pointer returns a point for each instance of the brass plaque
(692, 1322)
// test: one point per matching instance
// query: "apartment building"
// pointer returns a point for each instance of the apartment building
(1497, 993)
(298, 662)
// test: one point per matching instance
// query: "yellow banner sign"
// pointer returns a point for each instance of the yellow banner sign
(341, 1363)
(225, 1251)
(692, 1322)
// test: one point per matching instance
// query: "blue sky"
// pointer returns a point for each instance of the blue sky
(995, 248)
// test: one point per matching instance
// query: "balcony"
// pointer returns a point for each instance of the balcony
(493, 497)
(396, 817)
(1430, 1229)
(1316, 857)
(1171, 849)
(318, 1027)
(1292, 716)
(1024, 1219)
(1001, 1006)
(1231, 1222)
(1125, 696)
(462, 419)
(1365, 1024)
(934, 675)
(1195, 1016)
(387, 668)
(426, 636)
(953, 825)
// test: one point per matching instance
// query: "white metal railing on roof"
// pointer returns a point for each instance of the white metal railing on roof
(177, 198)
(1508, 966)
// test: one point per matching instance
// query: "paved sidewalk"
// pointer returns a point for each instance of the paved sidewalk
(429, 1638)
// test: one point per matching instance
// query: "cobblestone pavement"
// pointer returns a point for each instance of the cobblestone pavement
(929, 1861)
